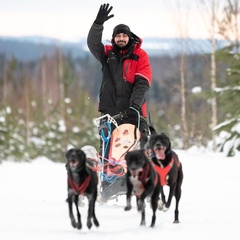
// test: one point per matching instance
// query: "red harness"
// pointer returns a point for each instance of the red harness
(144, 174)
(79, 189)
(163, 172)
(144, 177)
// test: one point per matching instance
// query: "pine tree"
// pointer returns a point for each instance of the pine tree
(229, 99)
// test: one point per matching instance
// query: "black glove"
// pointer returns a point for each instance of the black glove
(103, 12)
(133, 115)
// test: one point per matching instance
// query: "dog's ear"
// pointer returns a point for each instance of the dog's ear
(163, 135)
(152, 130)
(152, 140)
(127, 156)
(170, 147)
(68, 153)
(81, 154)
(144, 139)
(67, 166)
(167, 139)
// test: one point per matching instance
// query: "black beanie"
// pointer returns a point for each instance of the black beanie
(122, 28)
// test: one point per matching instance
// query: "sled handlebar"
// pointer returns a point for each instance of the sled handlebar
(112, 119)
(122, 115)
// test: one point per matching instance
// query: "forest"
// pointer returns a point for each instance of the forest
(50, 103)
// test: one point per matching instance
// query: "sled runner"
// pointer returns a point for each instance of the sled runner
(118, 138)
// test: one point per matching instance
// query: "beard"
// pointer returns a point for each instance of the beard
(121, 44)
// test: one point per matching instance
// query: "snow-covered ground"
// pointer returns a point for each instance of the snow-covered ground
(32, 204)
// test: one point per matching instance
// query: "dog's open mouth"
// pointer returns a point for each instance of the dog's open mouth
(160, 152)
(73, 163)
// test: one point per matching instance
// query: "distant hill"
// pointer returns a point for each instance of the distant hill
(32, 48)
(172, 46)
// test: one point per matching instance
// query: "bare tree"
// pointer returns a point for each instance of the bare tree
(27, 101)
(212, 10)
(44, 91)
(182, 23)
(60, 69)
(183, 97)
(4, 83)
(223, 21)
(213, 74)
(229, 24)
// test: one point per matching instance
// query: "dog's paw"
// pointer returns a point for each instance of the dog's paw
(160, 204)
(73, 222)
(165, 208)
(89, 224)
(96, 222)
(143, 222)
(127, 208)
(79, 225)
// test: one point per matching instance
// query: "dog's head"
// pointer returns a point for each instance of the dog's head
(145, 137)
(160, 145)
(76, 159)
(136, 160)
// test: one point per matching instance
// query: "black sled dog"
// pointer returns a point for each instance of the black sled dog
(169, 168)
(82, 180)
(143, 181)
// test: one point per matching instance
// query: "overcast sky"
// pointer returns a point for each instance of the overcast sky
(71, 19)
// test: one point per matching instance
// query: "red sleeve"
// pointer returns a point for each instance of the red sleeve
(143, 68)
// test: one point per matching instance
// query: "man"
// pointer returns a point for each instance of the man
(126, 69)
(126, 78)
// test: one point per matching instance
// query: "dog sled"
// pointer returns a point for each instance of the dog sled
(118, 138)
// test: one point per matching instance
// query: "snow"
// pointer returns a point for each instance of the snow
(32, 204)
(197, 89)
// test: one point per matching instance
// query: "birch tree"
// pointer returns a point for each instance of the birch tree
(213, 73)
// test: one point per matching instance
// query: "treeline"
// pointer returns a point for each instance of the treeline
(50, 104)
(46, 106)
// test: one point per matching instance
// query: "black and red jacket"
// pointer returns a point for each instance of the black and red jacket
(126, 75)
